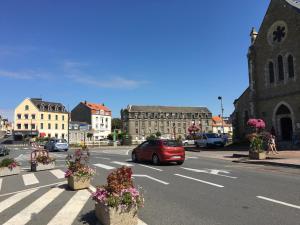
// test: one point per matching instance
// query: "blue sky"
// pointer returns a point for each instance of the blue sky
(158, 52)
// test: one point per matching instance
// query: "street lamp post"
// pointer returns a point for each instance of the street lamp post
(222, 111)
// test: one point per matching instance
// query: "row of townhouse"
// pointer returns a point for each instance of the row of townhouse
(35, 117)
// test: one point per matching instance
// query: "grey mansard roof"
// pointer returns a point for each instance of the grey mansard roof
(48, 106)
(136, 108)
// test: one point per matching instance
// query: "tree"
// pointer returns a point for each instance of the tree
(110, 137)
(116, 123)
(193, 129)
(158, 134)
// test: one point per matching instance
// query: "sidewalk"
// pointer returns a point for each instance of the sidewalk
(287, 158)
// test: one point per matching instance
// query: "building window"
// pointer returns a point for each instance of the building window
(26, 126)
(56, 126)
(56, 117)
(280, 68)
(42, 126)
(106, 119)
(179, 130)
(63, 136)
(19, 126)
(136, 131)
(26, 116)
(56, 135)
(49, 117)
(63, 117)
(49, 126)
(26, 107)
(271, 72)
(291, 66)
(136, 123)
(42, 116)
(33, 126)
(63, 126)
(19, 116)
(33, 116)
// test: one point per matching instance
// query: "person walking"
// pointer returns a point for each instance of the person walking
(272, 145)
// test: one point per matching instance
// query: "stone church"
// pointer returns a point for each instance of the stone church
(274, 74)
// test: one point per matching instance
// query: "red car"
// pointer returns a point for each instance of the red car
(159, 151)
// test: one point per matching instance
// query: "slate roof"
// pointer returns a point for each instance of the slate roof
(44, 106)
(136, 108)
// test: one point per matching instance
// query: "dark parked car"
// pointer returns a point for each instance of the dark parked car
(4, 150)
(57, 145)
(159, 151)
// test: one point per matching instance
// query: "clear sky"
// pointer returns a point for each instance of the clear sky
(120, 52)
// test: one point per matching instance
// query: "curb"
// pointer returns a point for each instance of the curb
(268, 163)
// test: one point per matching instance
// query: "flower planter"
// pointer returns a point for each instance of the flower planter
(5, 171)
(257, 155)
(115, 216)
(77, 183)
(40, 166)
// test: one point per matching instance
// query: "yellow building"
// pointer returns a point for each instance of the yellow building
(35, 117)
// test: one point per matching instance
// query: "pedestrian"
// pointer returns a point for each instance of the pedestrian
(272, 145)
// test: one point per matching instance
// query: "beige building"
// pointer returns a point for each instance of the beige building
(35, 117)
(170, 121)
(221, 125)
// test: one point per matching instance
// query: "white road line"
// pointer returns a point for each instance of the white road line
(202, 181)
(140, 222)
(92, 188)
(29, 179)
(36, 207)
(151, 178)
(150, 167)
(0, 184)
(279, 202)
(14, 199)
(122, 163)
(192, 157)
(98, 157)
(208, 172)
(104, 166)
(70, 211)
(58, 173)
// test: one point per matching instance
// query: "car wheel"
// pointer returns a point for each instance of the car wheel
(180, 162)
(185, 144)
(66, 150)
(155, 159)
(134, 158)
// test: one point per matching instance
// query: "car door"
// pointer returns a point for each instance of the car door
(141, 150)
(151, 148)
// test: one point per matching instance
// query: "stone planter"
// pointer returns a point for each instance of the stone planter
(5, 171)
(77, 183)
(40, 166)
(112, 216)
(257, 155)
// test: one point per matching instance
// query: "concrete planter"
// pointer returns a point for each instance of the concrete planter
(5, 171)
(77, 183)
(40, 166)
(257, 155)
(115, 216)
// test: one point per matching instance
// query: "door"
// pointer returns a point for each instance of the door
(151, 148)
(142, 150)
(286, 129)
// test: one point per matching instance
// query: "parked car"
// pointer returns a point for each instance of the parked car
(159, 151)
(4, 150)
(57, 145)
(188, 142)
(208, 140)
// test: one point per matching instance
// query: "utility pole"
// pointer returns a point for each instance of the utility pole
(222, 112)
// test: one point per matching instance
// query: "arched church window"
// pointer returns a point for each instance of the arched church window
(271, 72)
(291, 66)
(280, 68)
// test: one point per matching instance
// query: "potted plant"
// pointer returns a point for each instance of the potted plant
(118, 201)
(257, 139)
(40, 160)
(78, 171)
(8, 167)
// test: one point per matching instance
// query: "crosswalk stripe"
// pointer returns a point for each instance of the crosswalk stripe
(104, 166)
(58, 173)
(0, 184)
(30, 179)
(36, 207)
(14, 199)
(122, 163)
(69, 212)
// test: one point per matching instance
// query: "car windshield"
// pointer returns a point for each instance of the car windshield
(61, 141)
(171, 143)
(212, 135)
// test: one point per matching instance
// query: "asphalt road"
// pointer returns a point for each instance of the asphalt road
(200, 192)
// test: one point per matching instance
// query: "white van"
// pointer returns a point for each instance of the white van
(209, 140)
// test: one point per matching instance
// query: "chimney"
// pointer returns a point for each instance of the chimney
(253, 35)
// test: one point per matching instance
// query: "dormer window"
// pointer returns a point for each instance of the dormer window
(26, 107)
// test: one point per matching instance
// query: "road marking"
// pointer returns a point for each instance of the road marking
(150, 167)
(98, 157)
(140, 222)
(151, 178)
(36, 207)
(279, 202)
(0, 184)
(192, 157)
(14, 199)
(210, 171)
(92, 188)
(104, 166)
(35, 188)
(70, 211)
(30, 179)
(122, 163)
(202, 181)
(58, 173)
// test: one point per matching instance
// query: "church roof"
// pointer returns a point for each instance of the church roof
(295, 3)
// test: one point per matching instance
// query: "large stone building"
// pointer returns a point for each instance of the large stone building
(35, 117)
(142, 121)
(97, 115)
(274, 71)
